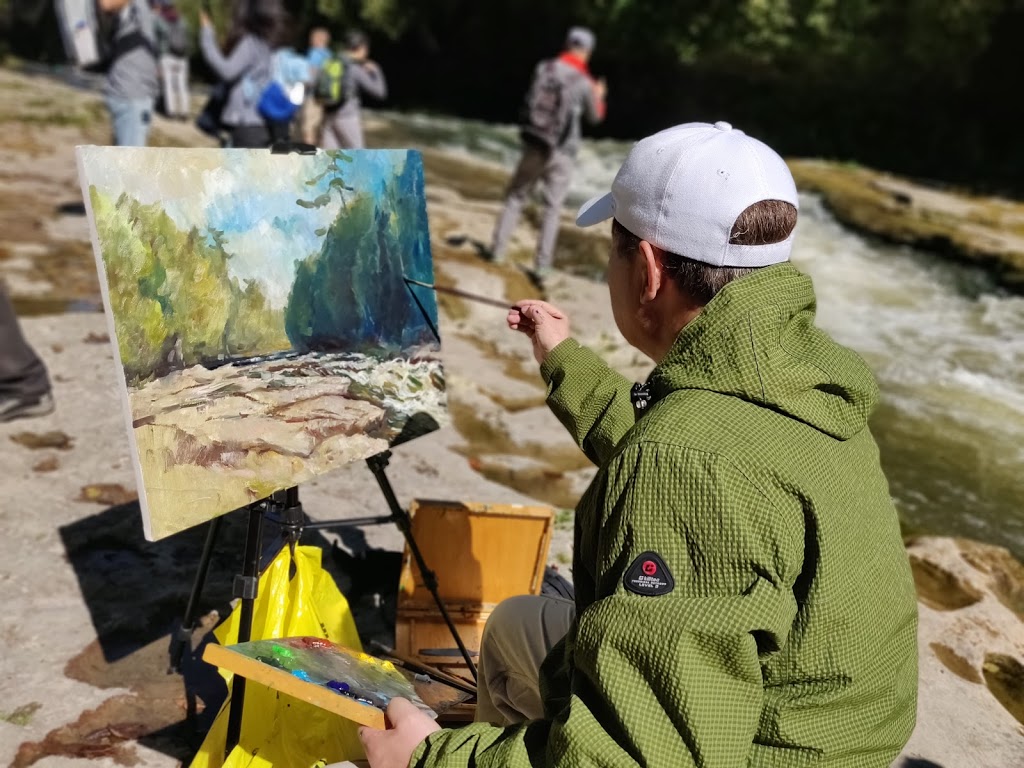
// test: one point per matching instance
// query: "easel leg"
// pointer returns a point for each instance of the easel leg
(401, 518)
(246, 586)
(183, 637)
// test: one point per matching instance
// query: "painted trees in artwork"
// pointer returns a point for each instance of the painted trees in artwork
(352, 295)
(175, 304)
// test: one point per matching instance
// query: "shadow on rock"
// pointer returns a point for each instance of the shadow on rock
(136, 590)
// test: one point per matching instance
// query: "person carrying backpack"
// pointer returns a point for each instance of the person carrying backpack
(172, 47)
(341, 83)
(561, 95)
(247, 68)
(132, 81)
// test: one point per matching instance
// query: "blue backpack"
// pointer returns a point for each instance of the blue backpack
(281, 98)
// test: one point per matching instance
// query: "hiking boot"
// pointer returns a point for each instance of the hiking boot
(12, 408)
(539, 277)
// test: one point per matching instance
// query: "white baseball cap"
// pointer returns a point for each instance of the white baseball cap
(682, 190)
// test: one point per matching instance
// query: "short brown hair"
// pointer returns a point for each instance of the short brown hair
(763, 223)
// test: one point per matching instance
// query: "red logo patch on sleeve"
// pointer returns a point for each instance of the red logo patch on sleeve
(649, 576)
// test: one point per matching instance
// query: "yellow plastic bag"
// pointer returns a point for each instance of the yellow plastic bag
(278, 730)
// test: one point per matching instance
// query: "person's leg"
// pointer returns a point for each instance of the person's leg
(24, 385)
(249, 137)
(131, 119)
(312, 120)
(557, 178)
(280, 130)
(329, 138)
(349, 131)
(166, 65)
(530, 168)
(517, 637)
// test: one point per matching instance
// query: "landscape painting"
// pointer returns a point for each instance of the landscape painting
(260, 313)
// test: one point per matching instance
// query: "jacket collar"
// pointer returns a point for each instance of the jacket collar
(575, 62)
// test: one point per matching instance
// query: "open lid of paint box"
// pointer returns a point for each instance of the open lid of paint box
(480, 553)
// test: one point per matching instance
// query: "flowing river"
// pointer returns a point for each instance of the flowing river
(946, 345)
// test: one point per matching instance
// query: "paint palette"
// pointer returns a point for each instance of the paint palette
(349, 683)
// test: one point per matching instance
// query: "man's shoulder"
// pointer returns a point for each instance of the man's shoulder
(703, 428)
(688, 418)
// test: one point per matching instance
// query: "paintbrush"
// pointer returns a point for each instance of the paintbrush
(463, 294)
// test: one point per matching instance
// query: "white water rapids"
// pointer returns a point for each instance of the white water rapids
(946, 345)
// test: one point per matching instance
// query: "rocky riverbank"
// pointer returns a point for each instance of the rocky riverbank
(977, 230)
(88, 603)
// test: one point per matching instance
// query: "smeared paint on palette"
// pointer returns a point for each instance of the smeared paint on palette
(349, 683)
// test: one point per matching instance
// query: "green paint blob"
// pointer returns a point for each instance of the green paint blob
(285, 653)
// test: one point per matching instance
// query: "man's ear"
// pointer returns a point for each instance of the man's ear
(651, 274)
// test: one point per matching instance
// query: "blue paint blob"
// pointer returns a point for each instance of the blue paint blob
(302, 675)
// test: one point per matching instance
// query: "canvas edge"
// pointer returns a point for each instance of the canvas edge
(126, 406)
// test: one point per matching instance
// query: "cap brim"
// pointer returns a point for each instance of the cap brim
(595, 211)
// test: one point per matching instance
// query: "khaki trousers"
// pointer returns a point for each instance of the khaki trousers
(518, 635)
(311, 117)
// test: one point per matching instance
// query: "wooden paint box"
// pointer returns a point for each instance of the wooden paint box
(480, 554)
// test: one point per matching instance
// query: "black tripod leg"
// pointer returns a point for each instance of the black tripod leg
(377, 465)
(245, 587)
(183, 636)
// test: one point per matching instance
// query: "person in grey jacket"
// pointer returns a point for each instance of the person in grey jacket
(132, 81)
(246, 67)
(343, 126)
(552, 163)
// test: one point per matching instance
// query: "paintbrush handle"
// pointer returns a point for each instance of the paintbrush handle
(462, 294)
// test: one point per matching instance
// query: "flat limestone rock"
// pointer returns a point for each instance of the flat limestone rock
(971, 651)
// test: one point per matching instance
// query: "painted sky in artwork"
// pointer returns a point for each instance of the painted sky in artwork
(249, 196)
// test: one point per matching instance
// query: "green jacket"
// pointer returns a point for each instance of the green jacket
(789, 637)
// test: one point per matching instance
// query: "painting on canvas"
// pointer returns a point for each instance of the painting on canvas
(261, 317)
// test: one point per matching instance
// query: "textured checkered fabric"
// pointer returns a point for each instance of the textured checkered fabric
(789, 635)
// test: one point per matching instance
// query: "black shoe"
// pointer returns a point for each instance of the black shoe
(12, 408)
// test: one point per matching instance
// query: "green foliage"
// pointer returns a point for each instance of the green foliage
(253, 326)
(173, 299)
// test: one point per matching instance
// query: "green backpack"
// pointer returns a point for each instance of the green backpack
(332, 82)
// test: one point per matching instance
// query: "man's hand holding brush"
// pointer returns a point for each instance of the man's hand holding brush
(545, 324)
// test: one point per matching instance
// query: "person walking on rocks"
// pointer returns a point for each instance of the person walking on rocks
(343, 122)
(562, 94)
(743, 596)
(132, 80)
(24, 385)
